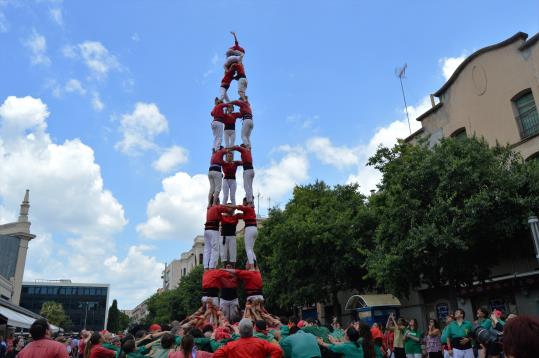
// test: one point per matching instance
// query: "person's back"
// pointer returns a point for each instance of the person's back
(300, 345)
(250, 347)
(43, 346)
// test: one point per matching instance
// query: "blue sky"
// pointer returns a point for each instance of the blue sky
(95, 92)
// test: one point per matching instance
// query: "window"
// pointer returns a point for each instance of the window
(459, 134)
(200, 260)
(527, 118)
(31, 290)
(184, 271)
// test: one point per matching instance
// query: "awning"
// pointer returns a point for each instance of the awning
(363, 301)
(16, 319)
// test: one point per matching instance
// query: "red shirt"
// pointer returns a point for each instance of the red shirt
(228, 76)
(210, 279)
(228, 280)
(252, 280)
(44, 348)
(246, 156)
(239, 69)
(229, 169)
(245, 108)
(237, 47)
(249, 348)
(98, 351)
(230, 120)
(218, 112)
(249, 215)
(217, 157)
(213, 216)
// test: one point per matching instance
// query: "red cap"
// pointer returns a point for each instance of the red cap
(155, 327)
(302, 324)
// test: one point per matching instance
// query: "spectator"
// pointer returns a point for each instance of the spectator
(457, 336)
(248, 346)
(300, 344)
(94, 348)
(187, 348)
(520, 337)
(350, 348)
(42, 345)
(3, 347)
(412, 340)
(432, 340)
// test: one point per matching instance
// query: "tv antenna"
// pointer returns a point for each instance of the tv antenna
(401, 73)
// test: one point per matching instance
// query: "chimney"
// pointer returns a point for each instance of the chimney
(25, 207)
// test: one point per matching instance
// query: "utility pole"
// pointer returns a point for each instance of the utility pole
(401, 73)
(269, 204)
(258, 196)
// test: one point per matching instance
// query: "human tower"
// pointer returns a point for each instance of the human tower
(220, 304)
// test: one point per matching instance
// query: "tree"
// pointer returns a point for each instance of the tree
(316, 246)
(113, 321)
(449, 214)
(123, 321)
(55, 314)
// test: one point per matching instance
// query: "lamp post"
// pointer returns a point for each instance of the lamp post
(534, 228)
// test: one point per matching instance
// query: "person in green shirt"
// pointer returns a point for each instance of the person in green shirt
(350, 348)
(129, 350)
(412, 340)
(300, 344)
(457, 335)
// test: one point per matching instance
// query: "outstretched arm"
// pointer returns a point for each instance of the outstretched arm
(235, 37)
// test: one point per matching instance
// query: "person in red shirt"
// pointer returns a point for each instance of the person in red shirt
(228, 76)
(211, 234)
(235, 53)
(42, 345)
(247, 119)
(228, 250)
(94, 349)
(241, 78)
(229, 182)
(230, 126)
(248, 346)
(215, 176)
(248, 170)
(218, 123)
(229, 304)
(251, 231)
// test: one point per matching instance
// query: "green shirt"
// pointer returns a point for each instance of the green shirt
(378, 351)
(285, 331)
(112, 347)
(337, 333)
(135, 355)
(410, 345)
(300, 345)
(455, 330)
(347, 349)
(486, 323)
(267, 337)
(321, 332)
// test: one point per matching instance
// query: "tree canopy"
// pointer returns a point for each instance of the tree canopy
(55, 314)
(448, 214)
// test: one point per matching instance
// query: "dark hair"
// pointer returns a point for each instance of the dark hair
(140, 333)
(93, 341)
(207, 328)
(309, 320)
(415, 323)
(520, 337)
(461, 311)
(367, 344)
(284, 320)
(294, 320)
(188, 342)
(353, 335)
(196, 333)
(38, 329)
(435, 323)
(293, 330)
(128, 346)
(483, 310)
(261, 325)
(402, 321)
(167, 340)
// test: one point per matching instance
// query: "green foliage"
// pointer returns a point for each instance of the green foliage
(113, 322)
(316, 246)
(123, 321)
(178, 303)
(448, 214)
(55, 314)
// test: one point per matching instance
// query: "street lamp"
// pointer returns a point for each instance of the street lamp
(534, 228)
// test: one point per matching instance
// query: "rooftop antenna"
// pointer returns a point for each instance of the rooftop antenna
(258, 196)
(401, 73)
(269, 204)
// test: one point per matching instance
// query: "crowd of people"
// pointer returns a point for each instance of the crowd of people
(293, 338)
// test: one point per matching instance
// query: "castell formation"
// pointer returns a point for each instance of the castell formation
(220, 305)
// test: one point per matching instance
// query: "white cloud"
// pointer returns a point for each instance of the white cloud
(215, 59)
(450, 64)
(3, 23)
(97, 104)
(56, 15)
(337, 156)
(171, 159)
(140, 128)
(95, 56)
(68, 199)
(74, 85)
(37, 44)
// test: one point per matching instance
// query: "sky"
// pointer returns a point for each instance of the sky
(104, 111)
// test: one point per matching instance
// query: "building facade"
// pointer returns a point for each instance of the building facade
(139, 313)
(86, 304)
(180, 268)
(14, 239)
(493, 95)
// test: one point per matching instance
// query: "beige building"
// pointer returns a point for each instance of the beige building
(179, 268)
(14, 239)
(493, 94)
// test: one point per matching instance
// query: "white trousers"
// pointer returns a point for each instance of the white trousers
(216, 182)
(229, 188)
(242, 86)
(246, 129)
(217, 129)
(251, 233)
(232, 56)
(230, 137)
(463, 353)
(228, 250)
(248, 177)
(211, 248)
(223, 95)
(231, 309)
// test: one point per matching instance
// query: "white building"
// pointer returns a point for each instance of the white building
(180, 268)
